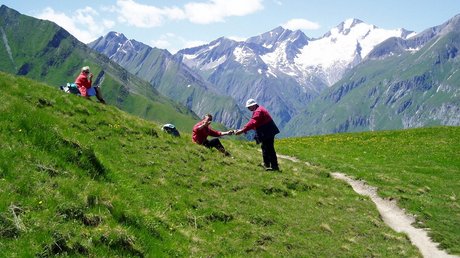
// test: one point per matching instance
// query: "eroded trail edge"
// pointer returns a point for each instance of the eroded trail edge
(392, 215)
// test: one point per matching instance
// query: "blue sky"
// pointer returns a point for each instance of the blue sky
(177, 24)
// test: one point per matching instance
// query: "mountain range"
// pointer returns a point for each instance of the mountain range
(170, 76)
(285, 69)
(295, 75)
(277, 67)
(402, 83)
(356, 77)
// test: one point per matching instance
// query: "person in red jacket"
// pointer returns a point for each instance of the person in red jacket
(84, 83)
(202, 130)
(266, 129)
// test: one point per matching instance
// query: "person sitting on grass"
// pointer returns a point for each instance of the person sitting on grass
(202, 130)
(84, 83)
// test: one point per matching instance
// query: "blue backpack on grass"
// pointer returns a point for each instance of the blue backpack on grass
(70, 87)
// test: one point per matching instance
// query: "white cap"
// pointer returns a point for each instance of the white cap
(250, 103)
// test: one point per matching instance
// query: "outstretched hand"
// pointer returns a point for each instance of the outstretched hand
(230, 132)
(237, 132)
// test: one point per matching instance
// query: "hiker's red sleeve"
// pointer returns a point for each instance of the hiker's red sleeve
(253, 122)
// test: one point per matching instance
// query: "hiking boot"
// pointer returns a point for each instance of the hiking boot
(277, 169)
(264, 165)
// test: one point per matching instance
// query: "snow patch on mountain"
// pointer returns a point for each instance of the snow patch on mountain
(244, 55)
(410, 35)
(211, 47)
(343, 45)
(270, 72)
(413, 50)
(215, 63)
(190, 56)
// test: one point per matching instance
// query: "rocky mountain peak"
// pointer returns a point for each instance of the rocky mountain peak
(116, 36)
(345, 27)
(410, 41)
(349, 24)
(270, 38)
(109, 44)
(451, 25)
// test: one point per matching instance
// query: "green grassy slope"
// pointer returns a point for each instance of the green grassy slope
(83, 179)
(50, 54)
(420, 168)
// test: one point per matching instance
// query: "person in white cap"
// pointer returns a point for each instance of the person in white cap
(266, 129)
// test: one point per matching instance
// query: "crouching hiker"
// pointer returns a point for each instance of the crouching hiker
(202, 130)
(266, 129)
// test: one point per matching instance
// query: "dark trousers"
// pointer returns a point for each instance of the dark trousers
(269, 153)
(99, 95)
(215, 143)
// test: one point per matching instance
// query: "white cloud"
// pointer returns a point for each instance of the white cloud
(168, 41)
(301, 24)
(278, 2)
(81, 24)
(160, 43)
(148, 16)
(218, 10)
(145, 16)
(108, 23)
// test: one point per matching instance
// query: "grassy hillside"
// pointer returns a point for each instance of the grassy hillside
(83, 179)
(420, 168)
(50, 54)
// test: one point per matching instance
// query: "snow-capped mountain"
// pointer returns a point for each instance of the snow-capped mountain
(340, 49)
(402, 83)
(236, 69)
(398, 46)
(285, 68)
(292, 53)
(355, 77)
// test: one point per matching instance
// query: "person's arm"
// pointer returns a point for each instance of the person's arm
(238, 131)
(204, 124)
(229, 132)
(90, 79)
(215, 133)
(252, 124)
(78, 81)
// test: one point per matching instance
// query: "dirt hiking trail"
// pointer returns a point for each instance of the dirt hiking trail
(392, 215)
